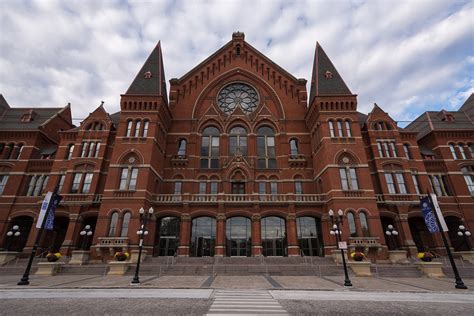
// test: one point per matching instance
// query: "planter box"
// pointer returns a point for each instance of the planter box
(49, 268)
(7, 256)
(467, 255)
(361, 268)
(118, 267)
(336, 256)
(398, 256)
(134, 256)
(431, 269)
(80, 257)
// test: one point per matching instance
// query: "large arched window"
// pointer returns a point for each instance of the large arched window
(210, 148)
(19, 149)
(203, 236)
(238, 233)
(352, 224)
(138, 124)
(70, 150)
(125, 224)
(266, 148)
(364, 225)
(331, 129)
(273, 236)
(113, 224)
(238, 141)
(310, 236)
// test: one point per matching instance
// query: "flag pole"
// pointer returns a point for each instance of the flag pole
(459, 283)
(24, 280)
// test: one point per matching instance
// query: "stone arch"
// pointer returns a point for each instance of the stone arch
(123, 158)
(265, 121)
(351, 157)
(210, 122)
(238, 121)
(203, 213)
(238, 213)
(226, 78)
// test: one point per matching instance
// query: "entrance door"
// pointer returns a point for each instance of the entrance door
(167, 246)
(238, 232)
(273, 236)
(205, 247)
(238, 188)
(309, 236)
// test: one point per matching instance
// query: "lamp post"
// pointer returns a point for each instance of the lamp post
(463, 232)
(142, 232)
(12, 233)
(86, 232)
(336, 231)
(392, 233)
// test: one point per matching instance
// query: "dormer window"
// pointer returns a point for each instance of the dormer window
(447, 117)
(147, 75)
(28, 116)
(328, 74)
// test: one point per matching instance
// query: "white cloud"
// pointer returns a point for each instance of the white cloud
(408, 56)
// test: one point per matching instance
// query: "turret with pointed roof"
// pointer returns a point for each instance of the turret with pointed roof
(325, 79)
(150, 80)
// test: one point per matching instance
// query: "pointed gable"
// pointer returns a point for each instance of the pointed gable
(325, 78)
(150, 80)
(99, 114)
(377, 114)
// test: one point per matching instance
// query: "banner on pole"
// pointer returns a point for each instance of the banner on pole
(44, 207)
(438, 211)
(50, 219)
(430, 219)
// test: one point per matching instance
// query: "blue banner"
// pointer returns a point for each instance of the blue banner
(430, 219)
(49, 225)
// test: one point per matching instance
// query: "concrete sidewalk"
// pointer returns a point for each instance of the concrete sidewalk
(330, 283)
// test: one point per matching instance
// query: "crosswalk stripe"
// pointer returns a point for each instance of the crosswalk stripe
(241, 302)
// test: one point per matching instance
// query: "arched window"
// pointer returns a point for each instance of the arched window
(125, 223)
(138, 124)
(406, 149)
(146, 124)
(352, 224)
(298, 187)
(182, 148)
(19, 149)
(453, 151)
(9, 151)
(273, 232)
(129, 128)
(468, 174)
(395, 179)
(210, 148)
(294, 147)
(238, 236)
(348, 128)
(238, 141)
(70, 150)
(339, 128)
(348, 178)
(461, 150)
(331, 129)
(128, 178)
(364, 225)
(266, 148)
(113, 224)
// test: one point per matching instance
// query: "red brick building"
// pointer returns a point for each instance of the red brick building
(237, 160)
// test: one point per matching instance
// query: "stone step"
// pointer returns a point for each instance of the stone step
(392, 271)
(93, 269)
(465, 272)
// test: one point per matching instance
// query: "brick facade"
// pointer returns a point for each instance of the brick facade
(252, 181)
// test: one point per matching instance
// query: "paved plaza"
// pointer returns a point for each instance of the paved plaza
(214, 295)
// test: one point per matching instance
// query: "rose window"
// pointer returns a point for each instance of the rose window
(237, 94)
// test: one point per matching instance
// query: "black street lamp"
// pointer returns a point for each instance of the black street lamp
(12, 233)
(86, 232)
(142, 232)
(336, 230)
(392, 233)
(463, 232)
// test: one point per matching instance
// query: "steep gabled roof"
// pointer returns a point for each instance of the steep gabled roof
(3, 105)
(325, 79)
(237, 36)
(150, 80)
(468, 107)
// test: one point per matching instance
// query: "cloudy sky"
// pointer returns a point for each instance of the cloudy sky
(407, 56)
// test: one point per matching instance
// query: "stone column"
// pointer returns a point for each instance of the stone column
(291, 235)
(256, 236)
(184, 235)
(220, 236)
(72, 233)
(406, 239)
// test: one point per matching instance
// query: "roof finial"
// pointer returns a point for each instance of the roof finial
(101, 103)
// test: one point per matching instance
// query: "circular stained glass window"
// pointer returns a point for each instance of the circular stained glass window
(237, 94)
